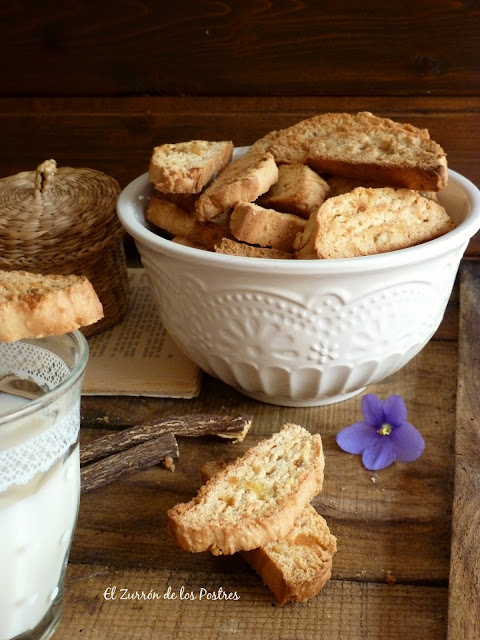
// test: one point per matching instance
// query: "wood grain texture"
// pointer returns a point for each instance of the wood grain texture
(464, 622)
(240, 47)
(382, 520)
(117, 135)
(344, 610)
(392, 525)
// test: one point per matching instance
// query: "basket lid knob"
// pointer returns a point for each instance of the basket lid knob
(44, 175)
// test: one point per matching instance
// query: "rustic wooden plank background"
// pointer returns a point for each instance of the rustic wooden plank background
(393, 525)
(240, 48)
(465, 565)
(117, 135)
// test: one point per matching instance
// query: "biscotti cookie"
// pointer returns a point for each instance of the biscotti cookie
(186, 167)
(254, 224)
(34, 305)
(362, 146)
(243, 180)
(381, 151)
(256, 499)
(370, 221)
(279, 145)
(338, 185)
(299, 190)
(299, 565)
(233, 248)
(177, 222)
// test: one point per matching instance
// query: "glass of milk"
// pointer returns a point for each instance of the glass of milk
(39, 478)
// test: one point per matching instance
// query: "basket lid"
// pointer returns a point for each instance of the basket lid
(61, 207)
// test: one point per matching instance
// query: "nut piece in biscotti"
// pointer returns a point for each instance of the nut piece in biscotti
(299, 565)
(256, 499)
(362, 146)
(370, 221)
(34, 305)
(266, 227)
(186, 167)
(299, 190)
(233, 248)
(243, 180)
(177, 222)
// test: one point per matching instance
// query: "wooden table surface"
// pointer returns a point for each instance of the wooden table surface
(395, 554)
(398, 571)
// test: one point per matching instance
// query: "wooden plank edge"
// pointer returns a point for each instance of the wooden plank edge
(464, 598)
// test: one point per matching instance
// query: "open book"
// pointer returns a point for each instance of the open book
(137, 357)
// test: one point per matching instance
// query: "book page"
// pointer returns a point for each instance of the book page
(136, 356)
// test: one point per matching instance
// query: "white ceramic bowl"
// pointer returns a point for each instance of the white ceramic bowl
(302, 332)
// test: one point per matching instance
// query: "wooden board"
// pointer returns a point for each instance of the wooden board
(392, 526)
(240, 47)
(464, 607)
(346, 610)
(117, 135)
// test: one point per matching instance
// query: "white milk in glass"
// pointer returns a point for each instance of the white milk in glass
(39, 482)
(36, 527)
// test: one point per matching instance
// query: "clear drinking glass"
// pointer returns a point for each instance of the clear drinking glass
(39, 478)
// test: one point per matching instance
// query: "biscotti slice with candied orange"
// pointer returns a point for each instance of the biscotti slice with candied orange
(256, 499)
(361, 146)
(366, 147)
(243, 180)
(299, 565)
(34, 305)
(369, 221)
(186, 167)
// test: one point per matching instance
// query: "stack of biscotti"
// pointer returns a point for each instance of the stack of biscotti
(196, 186)
(259, 506)
(276, 201)
(179, 173)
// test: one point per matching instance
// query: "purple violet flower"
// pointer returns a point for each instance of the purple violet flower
(384, 435)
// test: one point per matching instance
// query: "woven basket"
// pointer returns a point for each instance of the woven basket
(64, 220)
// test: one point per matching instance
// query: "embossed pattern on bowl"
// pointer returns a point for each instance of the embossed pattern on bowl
(302, 333)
